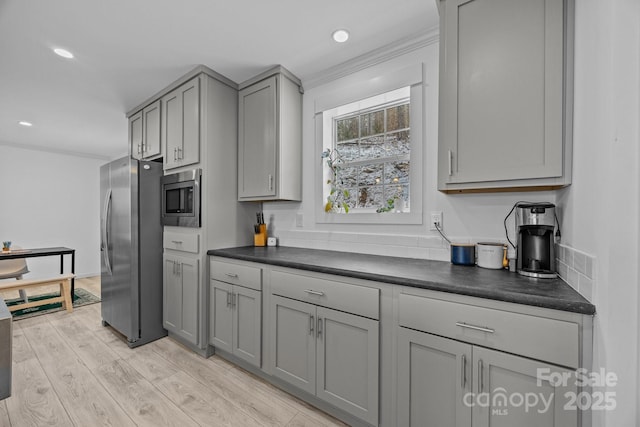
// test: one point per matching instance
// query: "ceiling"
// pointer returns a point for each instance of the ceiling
(127, 50)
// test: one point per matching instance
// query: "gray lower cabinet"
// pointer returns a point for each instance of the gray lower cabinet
(236, 320)
(328, 353)
(444, 382)
(180, 302)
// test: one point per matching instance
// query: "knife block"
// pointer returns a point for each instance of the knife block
(260, 239)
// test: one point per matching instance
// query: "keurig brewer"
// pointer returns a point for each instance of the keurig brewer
(535, 225)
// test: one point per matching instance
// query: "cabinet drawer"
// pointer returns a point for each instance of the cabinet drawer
(237, 274)
(181, 242)
(550, 340)
(341, 296)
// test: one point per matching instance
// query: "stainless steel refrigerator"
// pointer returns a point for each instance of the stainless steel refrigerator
(131, 249)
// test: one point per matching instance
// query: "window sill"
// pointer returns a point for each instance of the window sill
(369, 218)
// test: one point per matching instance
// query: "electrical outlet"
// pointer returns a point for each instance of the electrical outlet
(436, 219)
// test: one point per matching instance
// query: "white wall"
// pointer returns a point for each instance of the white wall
(49, 199)
(601, 208)
(469, 217)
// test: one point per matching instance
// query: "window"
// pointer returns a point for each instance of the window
(371, 159)
(369, 145)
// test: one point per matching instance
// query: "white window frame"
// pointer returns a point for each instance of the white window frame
(410, 76)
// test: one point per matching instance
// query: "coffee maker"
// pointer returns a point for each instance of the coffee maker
(535, 226)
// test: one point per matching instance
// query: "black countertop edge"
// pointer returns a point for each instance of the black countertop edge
(561, 296)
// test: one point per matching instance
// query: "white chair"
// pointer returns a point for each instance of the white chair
(14, 269)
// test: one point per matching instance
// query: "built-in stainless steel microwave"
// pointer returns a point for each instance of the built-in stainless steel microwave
(181, 198)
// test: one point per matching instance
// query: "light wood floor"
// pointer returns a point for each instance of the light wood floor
(69, 370)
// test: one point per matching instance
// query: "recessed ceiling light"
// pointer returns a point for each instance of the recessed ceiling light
(340, 36)
(63, 52)
(23, 123)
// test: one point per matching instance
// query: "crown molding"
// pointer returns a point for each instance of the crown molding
(374, 57)
(55, 151)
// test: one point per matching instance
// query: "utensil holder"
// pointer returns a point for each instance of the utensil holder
(260, 239)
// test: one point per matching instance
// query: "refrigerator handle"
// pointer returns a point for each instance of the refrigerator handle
(106, 215)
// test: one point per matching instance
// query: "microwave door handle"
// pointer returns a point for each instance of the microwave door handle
(105, 231)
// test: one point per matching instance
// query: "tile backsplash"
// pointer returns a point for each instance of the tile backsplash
(576, 268)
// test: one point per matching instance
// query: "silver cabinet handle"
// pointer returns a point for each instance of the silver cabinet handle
(475, 328)
(481, 375)
(139, 149)
(177, 242)
(312, 292)
(228, 299)
(464, 371)
(450, 161)
(180, 154)
(270, 182)
(319, 328)
(233, 276)
(175, 154)
(311, 322)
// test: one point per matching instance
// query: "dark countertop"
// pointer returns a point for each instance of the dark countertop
(442, 276)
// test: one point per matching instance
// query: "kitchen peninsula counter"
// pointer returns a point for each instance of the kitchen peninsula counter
(499, 285)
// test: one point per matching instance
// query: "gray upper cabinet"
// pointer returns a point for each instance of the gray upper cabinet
(144, 132)
(181, 125)
(270, 138)
(505, 114)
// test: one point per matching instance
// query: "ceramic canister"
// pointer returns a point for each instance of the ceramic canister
(463, 253)
(490, 255)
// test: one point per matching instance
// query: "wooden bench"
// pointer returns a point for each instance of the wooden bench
(64, 280)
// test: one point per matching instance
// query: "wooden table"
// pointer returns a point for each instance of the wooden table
(40, 252)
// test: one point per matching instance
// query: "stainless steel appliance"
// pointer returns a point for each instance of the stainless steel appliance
(131, 249)
(181, 198)
(535, 227)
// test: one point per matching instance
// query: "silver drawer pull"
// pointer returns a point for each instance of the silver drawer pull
(233, 276)
(309, 291)
(475, 328)
(177, 242)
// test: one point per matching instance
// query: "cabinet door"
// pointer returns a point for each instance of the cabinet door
(347, 362)
(257, 148)
(172, 295)
(151, 130)
(247, 325)
(189, 271)
(221, 316)
(189, 153)
(502, 91)
(135, 135)
(293, 342)
(516, 394)
(434, 375)
(181, 125)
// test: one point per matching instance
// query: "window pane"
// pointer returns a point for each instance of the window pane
(371, 174)
(400, 192)
(347, 176)
(372, 123)
(348, 151)
(396, 172)
(352, 199)
(398, 117)
(372, 148)
(347, 129)
(370, 197)
(398, 143)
